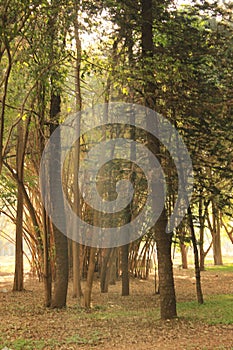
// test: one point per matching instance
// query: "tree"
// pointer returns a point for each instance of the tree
(163, 240)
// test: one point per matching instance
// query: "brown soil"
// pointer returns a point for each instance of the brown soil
(115, 321)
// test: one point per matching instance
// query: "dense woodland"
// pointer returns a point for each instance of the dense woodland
(61, 57)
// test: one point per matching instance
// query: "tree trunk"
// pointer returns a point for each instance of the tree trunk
(125, 269)
(45, 250)
(113, 268)
(201, 217)
(90, 278)
(196, 259)
(60, 240)
(105, 270)
(217, 249)
(77, 290)
(47, 265)
(20, 152)
(184, 259)
(3, 102)
(78, 96)
(18, 277)
(165, 269)
(61, 261)
(163, 240)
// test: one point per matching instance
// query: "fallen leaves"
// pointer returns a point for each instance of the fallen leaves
(114, 322)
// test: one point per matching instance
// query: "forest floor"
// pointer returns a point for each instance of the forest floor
(117, 322)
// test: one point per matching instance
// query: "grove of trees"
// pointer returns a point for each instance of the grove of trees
(62, 57)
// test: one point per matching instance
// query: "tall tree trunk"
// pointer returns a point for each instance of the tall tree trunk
(165, 269)
(3, 102)
(105, 270)
(77, 289)
(196, 259)
(90, 278)
(163, 240)
(184, 259)
(18, 278)
(60, 240)
(47, 266)
(201, 217)
(47, 274)
(113, 267)
(20, 154)
(125, 269)
(216, 234)
(78, 96)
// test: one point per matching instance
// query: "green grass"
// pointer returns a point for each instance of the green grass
(30, 344)
(93, 339)
(217, 309)
(224, 268)
(24, 344)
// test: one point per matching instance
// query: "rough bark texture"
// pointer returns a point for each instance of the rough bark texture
(60, 240)
(125, 269)
(61, 279)
(165, 269)
(196, 259)
(216, 234)
(20, 151)
(18, 277)
(90, 278)
(163, 240)
(184, 259)
(77, 290)
(105, 270)
(47, 265)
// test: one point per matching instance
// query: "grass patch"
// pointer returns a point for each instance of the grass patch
(113, 315)
(217, 309)
(224, 268)
(92, 339)
(24, 344)
(29, 344)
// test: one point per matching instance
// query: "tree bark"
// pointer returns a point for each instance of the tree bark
(90, 278)
(3, 102)
(196, 259)
(60, 240)
(18, 277)
(113, 267)
(105, 270)
(77, 289)
(184, 259)
(163, 240)
(216, 234)
(20, 154)
(47, 266)
(165, 269)
(125, 269)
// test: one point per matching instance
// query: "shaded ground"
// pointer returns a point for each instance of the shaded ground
(114, 322)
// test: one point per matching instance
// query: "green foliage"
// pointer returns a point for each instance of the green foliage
(7, 191)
